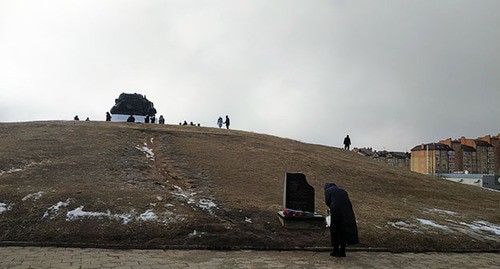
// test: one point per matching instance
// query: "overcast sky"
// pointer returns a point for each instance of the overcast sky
(391, 74)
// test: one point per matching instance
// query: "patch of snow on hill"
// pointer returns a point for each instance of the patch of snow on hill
(149, 152)
(480, 230)
(35, 196)
(440, 211)
(203, 203)
(53, 211)
(78, 214)
(19, 169)
(405, 226)
(435, 225)
(149, 215)
(4, 207)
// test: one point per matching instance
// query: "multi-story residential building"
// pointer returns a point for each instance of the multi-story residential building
(433, 158)
(485, 154)
(465, 156)
(495, 142)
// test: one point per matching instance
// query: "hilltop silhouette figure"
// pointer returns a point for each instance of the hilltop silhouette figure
(347, 142)
(108, 116)
(227, 122)
(161, 120)
(131, 119)
(76, 118)
(220, 121)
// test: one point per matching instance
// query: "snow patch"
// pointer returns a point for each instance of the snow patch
(403, 225)
(481, 225)
(53, 211)
(196, 233)
(206, 204)
(149, 215)
(435, 225)
(480, 230)
(4, 207)
(203, 203)
(149, 152)
(441, 211)
(78, 214)
(35, 196)
(19, 169)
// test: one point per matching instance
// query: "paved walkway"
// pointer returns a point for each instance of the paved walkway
(50, 257)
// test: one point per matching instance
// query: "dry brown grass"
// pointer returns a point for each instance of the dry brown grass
(97, 165)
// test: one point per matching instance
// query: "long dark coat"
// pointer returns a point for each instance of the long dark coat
(343, 226)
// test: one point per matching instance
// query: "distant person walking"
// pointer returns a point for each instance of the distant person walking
(153, 119)
(131, 119)
(108, 116)
(161, 120)
(220, 121)
(146, 119)
(343, 228)
(347, 142)
(227, 122)
(76, 118)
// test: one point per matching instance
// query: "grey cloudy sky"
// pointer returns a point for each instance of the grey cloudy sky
(391, 74)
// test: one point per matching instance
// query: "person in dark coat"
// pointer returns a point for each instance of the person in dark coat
(343, 228)
(227, 122)
(131, 119)
(347, 142)
(108, 116)
(146, 119)
(76, 118)
(161, 120)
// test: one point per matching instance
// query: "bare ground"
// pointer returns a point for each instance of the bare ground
(216, 188)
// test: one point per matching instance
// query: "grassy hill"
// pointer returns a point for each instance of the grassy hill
(154, 185)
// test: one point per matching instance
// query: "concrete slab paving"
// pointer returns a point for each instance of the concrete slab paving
(89, 258)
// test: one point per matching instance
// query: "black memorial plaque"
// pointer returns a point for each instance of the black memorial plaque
(298, 194)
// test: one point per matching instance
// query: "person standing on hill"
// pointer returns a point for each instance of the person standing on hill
(347, 142)
(131, 119)
(220, 121)
(108, 116)
(343, 228)
(227, 122)
(161, 120)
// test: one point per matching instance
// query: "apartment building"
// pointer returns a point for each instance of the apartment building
(433, 158)
(465, 156)
(485, 155)
(468, 156)
(495, 142)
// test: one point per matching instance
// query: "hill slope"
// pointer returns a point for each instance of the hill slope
(151, 185)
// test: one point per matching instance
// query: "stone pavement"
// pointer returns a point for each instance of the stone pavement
(51, 257)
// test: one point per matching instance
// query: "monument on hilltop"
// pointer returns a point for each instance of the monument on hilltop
(132, 104)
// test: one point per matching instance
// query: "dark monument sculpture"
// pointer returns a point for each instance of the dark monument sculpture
(133, 104)
(298, 203)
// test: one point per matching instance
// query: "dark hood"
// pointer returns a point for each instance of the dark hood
(329, 185)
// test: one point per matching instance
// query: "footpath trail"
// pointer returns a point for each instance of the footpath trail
(51, 257)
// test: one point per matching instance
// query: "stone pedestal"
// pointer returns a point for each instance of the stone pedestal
(314, 221)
